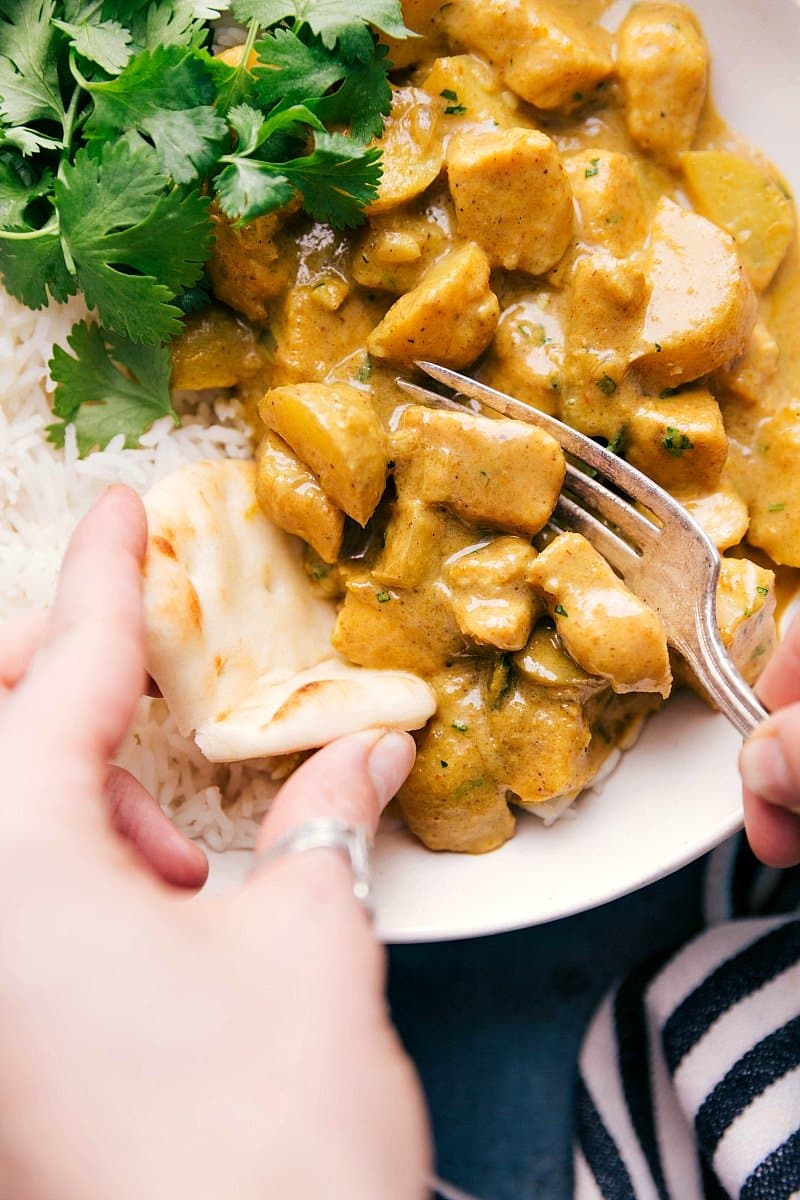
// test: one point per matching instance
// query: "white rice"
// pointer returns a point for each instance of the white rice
(43, 494)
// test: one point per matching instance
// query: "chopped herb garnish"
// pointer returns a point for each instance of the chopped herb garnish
(762, 591)
(455, 110)
(449, 94)
(501, 680)
(593, 169)
(777, 507)
(560, 611)
(606, 385)
(443, 763)
(365, 370)
(618, 441)
(658, 347)
(676, 442)
(383, 597)
(320, 570)
(461, 726)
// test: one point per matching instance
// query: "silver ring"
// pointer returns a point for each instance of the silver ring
(328, 833)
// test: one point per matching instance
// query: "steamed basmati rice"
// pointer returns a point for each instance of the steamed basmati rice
(43, 494)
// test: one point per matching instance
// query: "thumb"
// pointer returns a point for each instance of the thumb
(351, 780)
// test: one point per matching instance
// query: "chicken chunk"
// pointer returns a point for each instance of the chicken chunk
(512, 196)
(526, 358)
(608, 630)
(335, 430)
(662, 63)
(492, 472)
(291, 497)
(250, 264)
(411, 147)
(702, 308)
(722, 514)
(215, 349)
(610, 202)
(607, 310)
(546, 56)
(679, 441)
(751, 374)
(450, 315)
(491, 598)
(746, 614)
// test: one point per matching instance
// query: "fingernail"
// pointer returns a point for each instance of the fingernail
(765, 771)
(389, 763)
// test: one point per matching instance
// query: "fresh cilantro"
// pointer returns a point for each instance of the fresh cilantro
(593, 168)
(762, 591)
(167, 95)
(449, 94)
(106, 43)
(455, 110)
(131, 245)
(617, 443)
(117, 130)
(560, 611)
(29, 43)
(776, 508)
(675, 442)
(383, 597)
(109, 386)
(460, 726)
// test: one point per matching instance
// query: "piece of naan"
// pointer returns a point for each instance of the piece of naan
(237, 639)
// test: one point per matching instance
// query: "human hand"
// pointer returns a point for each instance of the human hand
(151, 1047)
(770, 760)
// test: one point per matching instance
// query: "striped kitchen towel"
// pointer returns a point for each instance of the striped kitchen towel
(689, 1076)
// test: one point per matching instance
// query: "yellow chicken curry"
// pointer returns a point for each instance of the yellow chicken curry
(561, 213)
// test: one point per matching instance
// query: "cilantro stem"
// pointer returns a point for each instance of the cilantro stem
(69, 117)
(81, 81)
(29, 235)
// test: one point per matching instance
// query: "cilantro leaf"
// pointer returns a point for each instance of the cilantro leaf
(342, 23)
(133, 244)
(108, 386)
(29, 88)
(248, 188)
(363, 99)
(337, 180)
(17, 192)
(106, 43)
(33, 268)
(166, 95)
(154, 23)
(292, 70)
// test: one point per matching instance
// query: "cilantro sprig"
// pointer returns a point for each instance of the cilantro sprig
(119, 128)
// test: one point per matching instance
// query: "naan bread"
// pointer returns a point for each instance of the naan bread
(237, 640)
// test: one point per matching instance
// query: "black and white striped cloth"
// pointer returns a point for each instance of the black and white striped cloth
(689, 1075)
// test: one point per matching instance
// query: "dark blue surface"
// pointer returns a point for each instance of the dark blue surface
(494, 1026)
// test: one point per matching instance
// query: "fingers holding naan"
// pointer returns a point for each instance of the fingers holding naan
(238, 640)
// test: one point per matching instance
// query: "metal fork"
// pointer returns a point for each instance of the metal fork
(665, 558)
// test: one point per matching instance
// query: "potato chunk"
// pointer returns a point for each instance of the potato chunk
(502, 473)
(662, 63)
(608, 630)
(751, 375)
(470, 95)
(610, 200)
(291, 497)
(491, 598)
(412, 148)
(702, 307)
(450, 315)
(722, 513)
(395, 250)
(739, 196)
(543, 54)
(679, 441)
(335, 431)
(512, 196)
